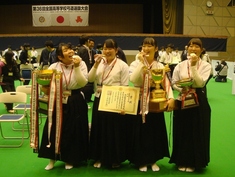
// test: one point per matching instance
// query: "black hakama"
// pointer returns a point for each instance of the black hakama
(74, 136)
(108, 137)
(191, 134)
(149, 142)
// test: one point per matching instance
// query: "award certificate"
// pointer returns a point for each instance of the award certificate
(119, 98)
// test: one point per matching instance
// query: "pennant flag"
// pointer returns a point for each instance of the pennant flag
(60, 19)
(41, 19)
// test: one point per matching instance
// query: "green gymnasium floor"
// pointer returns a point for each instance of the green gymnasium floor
(19, 162)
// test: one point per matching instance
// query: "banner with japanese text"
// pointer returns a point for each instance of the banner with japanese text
(60, 15)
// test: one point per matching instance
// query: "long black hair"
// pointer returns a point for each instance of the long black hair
(9, 59)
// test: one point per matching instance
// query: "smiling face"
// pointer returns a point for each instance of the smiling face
(65, 54)
(91, 44)
(195, 46)
(110, 49)
(149, 47)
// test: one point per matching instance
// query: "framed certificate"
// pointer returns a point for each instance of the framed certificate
(119, 98)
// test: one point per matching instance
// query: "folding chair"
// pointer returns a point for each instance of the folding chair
(15, 98)
(25, 89)
(26, 71)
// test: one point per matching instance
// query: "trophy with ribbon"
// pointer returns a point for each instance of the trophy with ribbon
(188, 97)
(158, 98)
(50, 83)
(44, 78)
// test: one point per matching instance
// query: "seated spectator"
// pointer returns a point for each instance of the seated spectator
(222, 71)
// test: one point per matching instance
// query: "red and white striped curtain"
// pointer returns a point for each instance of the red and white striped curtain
(60, 15)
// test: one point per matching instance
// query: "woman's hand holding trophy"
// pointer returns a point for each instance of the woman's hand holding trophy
(188, 94)
(170, 105)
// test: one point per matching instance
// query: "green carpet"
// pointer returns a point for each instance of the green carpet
(18, 162)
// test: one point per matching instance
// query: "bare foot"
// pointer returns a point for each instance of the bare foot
(180, 168)
(143, 168)
(190, 169)
(97, 164)
(155, 167)
(68, 166)
(50, 165)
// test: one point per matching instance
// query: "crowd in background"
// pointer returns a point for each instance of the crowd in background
(168, 54)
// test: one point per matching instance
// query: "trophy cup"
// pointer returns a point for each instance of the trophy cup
(189, 97)
(158, 99)
(44, 78)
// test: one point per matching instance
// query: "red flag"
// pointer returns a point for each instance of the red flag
(60, 19)
(79, 19)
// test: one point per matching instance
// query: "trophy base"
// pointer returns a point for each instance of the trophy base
(158, 95)
(157, 106)
(189, 102)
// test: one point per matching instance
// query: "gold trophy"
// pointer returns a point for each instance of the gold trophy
(158, 99)
(44, 78)
(189, 97)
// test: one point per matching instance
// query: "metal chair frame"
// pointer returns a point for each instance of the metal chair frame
(13, 97)
(18, 107)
